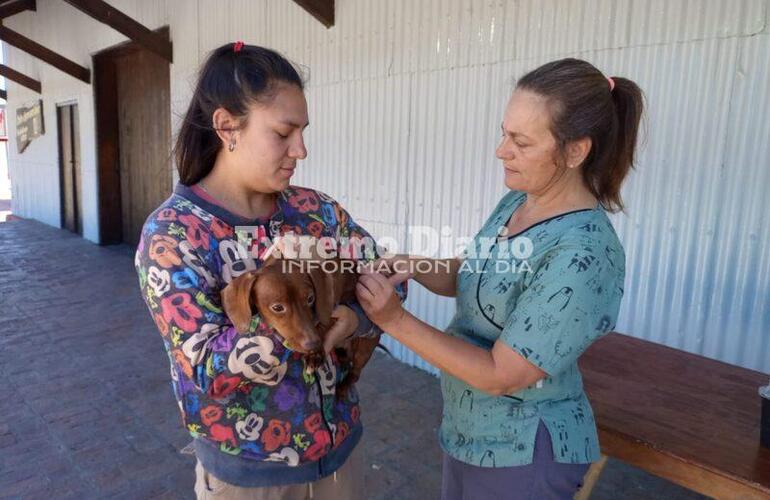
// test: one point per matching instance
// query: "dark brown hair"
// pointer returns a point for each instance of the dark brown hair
(233, 77)
(582, 105)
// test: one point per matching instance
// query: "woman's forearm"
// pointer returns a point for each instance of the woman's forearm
(498, 371)
(473, 365)
(437, 275)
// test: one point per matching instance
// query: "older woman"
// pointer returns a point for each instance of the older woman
(541, 281)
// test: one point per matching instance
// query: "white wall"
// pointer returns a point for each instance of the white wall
(406, 99)
(67, 31)
(5, 183)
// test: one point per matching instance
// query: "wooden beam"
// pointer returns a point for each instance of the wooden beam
(10, 8)
(20, 78)
(35, 49)
(3, 94)
(109, 15)
(323, 10)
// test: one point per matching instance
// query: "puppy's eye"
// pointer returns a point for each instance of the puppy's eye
(310, 299)
(277, 308)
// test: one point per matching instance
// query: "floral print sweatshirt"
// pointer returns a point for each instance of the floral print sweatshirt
(258, 418)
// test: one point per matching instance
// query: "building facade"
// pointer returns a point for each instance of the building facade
(406, 99)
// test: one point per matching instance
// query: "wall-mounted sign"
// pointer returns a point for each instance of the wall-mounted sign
(29, 124)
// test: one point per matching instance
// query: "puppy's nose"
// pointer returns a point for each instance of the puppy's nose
(311, 345)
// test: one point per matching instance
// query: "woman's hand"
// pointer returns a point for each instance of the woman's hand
(400, 267)
(377, 295)
(345, 325)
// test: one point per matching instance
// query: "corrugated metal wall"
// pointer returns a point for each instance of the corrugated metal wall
(406, 98)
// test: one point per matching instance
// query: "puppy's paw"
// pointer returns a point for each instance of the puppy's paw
(341, 392)
(343, 388)
(314, 360)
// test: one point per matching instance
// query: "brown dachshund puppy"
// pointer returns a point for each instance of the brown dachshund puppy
(297, 298)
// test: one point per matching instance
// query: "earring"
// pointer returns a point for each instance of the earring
(231, 147)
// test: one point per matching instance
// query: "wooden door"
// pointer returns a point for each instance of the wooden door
(144, 137)
(69, 168)
(133, 133)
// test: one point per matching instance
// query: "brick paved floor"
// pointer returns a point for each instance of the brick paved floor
(87, 409)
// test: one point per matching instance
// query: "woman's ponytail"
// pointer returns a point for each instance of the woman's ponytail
(585, 103)
(629, 106)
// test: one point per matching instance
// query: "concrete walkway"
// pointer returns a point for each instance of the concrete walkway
(87, 408)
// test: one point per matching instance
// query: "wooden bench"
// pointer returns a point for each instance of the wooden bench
(683, 417)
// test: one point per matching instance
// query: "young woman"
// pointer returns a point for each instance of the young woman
(541, 281)
(264, 426)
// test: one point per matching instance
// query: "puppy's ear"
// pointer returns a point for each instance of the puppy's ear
(237, 300)
(325, 294)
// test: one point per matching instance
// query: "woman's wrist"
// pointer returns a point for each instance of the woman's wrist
(395, 326)
(348, 315)
(354, 319)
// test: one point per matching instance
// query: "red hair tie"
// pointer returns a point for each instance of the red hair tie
(237, 46)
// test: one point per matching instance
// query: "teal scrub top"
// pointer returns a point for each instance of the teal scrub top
(547, 292)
